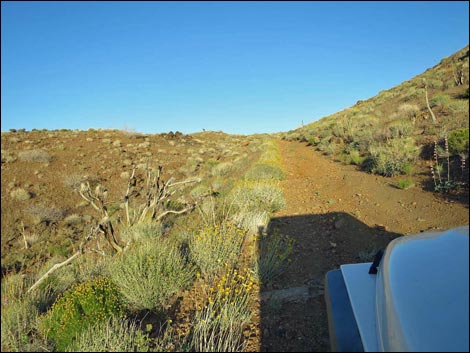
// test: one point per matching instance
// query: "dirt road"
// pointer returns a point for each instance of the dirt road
(337, 214)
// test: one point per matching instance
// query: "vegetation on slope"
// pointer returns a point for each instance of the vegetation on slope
(400, 128)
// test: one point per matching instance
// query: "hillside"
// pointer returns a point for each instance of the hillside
(394, 132)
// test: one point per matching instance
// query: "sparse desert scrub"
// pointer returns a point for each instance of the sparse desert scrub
(258, 196)
(218, 324)
(8, 157)
(142, 231)
(408, 110)
(34, 156)
(404, 184)
(264, 171)
(391, 158)
(44, 214)
(253, 221)
(150, 273)
(73, 219)
(215, 245)
(222, 169)
(401, 128)
(20, 194)
(112, 335)
(19, 317)
(272, 255)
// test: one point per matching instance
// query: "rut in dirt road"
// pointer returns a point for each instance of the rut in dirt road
(334, 213)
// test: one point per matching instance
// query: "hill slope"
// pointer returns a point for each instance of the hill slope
(394, 132)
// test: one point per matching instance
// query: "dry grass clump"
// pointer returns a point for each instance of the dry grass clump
(150, 273)
(44, 214)
(19, 317)
(222, 169)
(113, 335)
(8, 157)
(35, 156)
(218, 325)
(215, 245)
(20, 194)
(73, 219)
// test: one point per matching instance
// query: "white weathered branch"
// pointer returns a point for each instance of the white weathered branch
(53, 269)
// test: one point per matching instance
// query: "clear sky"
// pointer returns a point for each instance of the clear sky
(240, 67)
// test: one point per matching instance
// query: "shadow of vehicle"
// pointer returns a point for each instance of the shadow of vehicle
(293, 309)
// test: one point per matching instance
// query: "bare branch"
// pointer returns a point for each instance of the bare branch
(160, 216)
(427, 100)
(53, 269)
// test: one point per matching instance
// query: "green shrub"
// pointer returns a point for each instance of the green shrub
(222, 169)
(272, 257)
(218, 326)
(142, 231)
(150, 273)
(258, 196)
(458, 141)
(440, 100)
(264, 171)
(401, 128)
(19, 317)
(405, 184)
(216, 245)
(393, 157)
(113, 335)
(81, 306)
(313, 140)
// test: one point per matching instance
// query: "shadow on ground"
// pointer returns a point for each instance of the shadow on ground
(293, 310)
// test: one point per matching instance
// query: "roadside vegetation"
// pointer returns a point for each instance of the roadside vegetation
(153, 260)
(395, 133)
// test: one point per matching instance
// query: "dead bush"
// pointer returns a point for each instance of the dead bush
(35, 156)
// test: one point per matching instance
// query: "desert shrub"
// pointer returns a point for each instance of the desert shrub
(328, 148)
(150, 273)
(458, 106)
(113, 335)
(142, 231)
(214, 245)
(35, 156)
(313, 140)
(252, 221)
(19, 317)
(81, 306)
(8, 157)
(73, 219)
(405, 184)
(20, 194)
(74, 180)
(272, 256)
(440, 100)
(258, 196)
(436, 84)
(218, 325)
(222, 169)
(264, 171)
(401, 128)
(458, 141)
(391, 158)
(408, 110)
(356, 157)
(44, 214)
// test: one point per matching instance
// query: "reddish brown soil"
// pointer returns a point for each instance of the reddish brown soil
(334, 212)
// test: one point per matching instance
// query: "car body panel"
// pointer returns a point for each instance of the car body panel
(417, 301)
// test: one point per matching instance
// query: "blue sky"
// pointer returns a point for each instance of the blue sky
(240, 67)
